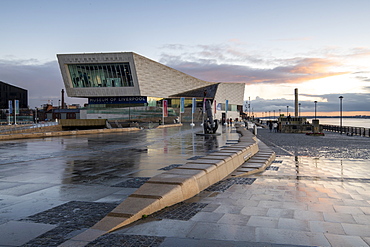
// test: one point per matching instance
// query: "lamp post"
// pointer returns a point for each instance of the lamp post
(299, 109)
(340, 98)
(36, 115)
(249, 107)
(315, 108)
(287, 110)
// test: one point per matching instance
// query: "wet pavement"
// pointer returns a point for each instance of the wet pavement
(332, 145)
(316, 193)
(40, 174)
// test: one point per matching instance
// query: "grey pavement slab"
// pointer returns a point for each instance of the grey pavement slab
(316, 197)
(16, 233)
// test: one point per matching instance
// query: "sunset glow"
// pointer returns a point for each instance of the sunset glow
(271, 46)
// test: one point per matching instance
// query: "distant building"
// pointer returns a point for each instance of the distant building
(10, 92)
(49, 112)
(125, 85)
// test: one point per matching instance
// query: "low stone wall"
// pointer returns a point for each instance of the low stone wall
(34, 130)
(179, 184)
(56, 130)
(49, 133)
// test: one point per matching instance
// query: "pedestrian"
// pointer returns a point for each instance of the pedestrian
(275, 126)
(270, 125)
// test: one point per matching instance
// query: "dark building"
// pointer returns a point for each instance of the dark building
(10, 92)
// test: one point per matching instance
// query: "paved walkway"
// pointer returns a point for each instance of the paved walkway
(312, 195)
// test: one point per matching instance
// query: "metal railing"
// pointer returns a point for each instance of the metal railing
(19, 127)
(348, 130)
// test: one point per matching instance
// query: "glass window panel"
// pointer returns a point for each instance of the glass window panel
(101, 75)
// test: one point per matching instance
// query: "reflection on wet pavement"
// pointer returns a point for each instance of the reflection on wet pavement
(37, 174)
(321, 199)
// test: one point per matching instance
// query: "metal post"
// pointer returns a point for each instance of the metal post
(341, 98)
(315, 108)
(299, 109)
(287, 110)
(249, 107)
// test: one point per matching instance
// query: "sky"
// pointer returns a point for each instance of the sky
(321, 47)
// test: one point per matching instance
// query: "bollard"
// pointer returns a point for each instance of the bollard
(255, 130)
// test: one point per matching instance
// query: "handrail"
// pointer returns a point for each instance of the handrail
(23, 126)
(348, 130)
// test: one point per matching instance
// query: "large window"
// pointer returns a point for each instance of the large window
(101, 75)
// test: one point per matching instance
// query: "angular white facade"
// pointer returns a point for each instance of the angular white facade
(92, 75)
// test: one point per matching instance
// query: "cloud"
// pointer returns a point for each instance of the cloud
(223, 63)
(296, 71)
(42, 80)
(352, 102)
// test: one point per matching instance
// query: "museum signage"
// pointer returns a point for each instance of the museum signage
(119, 100)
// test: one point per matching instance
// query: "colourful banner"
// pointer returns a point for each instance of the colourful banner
(16, 106)
(10, 106)
(165, 108)
(182, 105)
(194, 105)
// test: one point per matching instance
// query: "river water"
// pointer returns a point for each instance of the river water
(352, 122)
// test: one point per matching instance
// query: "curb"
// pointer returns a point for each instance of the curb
(64, 133)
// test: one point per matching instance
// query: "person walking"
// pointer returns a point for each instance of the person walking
(275, 126)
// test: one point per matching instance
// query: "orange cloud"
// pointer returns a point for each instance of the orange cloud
(206, 65)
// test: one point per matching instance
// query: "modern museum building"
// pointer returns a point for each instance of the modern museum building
(125, 85)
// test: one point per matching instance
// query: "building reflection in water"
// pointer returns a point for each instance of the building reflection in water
(100, 158)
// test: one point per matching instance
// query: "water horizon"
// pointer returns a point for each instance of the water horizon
(346, 121)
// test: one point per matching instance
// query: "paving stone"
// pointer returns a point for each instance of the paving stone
(227, 183)
(180, 211)
(272, 168)
(126, 240)
(170, 167)
(136, 182)
(293, 224)
(356, 229)
(218, 231)
(326, 227)
(195, 157)
(290, 237)
(71, 218)
(9, 232)
(344, 240)
(339, 218)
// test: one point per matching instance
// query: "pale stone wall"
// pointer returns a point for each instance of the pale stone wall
(158, 80)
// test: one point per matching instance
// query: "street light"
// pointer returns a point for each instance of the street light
(340, 98)
(315, 108)
(299, 109)
(287, 110)
(36, 115)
